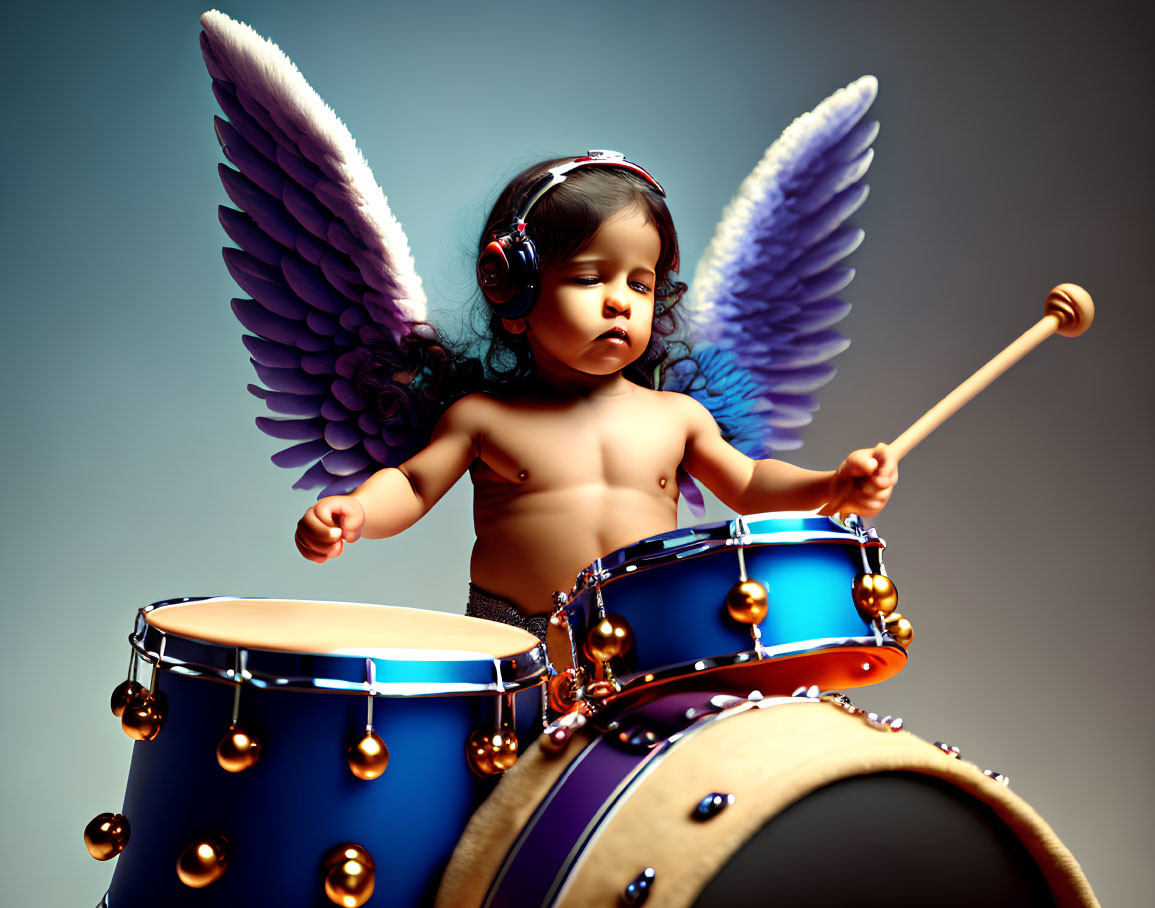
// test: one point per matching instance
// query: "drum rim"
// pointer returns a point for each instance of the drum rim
(644, 680)
(705, 538)
(337, 672)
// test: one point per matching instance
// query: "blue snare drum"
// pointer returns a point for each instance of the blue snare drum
(297, 676)
(666, 598)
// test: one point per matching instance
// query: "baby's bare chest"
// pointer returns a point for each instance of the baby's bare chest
(632, 446)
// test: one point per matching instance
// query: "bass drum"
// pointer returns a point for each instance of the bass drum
(708, 799)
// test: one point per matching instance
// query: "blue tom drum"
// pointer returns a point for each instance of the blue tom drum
(771, 601)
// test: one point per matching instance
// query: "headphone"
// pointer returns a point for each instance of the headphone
(508, 269)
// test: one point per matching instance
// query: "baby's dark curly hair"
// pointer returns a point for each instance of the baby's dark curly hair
(413, 386)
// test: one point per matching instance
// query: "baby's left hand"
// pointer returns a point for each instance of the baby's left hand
(863, 483)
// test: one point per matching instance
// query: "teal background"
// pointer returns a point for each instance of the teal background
(1015, 153)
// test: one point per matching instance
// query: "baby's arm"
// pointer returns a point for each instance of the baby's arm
(861, 484)
(394, 499)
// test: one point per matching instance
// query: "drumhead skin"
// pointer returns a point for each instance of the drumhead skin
(587, 838)
(345, 628)
(301, 644)
(307, 669)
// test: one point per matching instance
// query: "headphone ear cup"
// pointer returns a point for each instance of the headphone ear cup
(494, 274)
(507, 274)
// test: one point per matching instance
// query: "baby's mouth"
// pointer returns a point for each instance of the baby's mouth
(616, 334)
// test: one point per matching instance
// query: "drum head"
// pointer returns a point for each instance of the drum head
(289, 643)
(335, 628)
(790, 801)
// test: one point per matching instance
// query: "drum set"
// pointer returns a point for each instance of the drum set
(295, 753)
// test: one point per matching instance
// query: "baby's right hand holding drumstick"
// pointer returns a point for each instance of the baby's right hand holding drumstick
(328, 525)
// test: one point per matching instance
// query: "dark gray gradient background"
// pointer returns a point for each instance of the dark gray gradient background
(1015, 153)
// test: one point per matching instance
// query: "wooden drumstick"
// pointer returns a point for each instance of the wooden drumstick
(1069, 312)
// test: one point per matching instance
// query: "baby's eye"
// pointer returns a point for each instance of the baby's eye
(585, 280)
(641, 286)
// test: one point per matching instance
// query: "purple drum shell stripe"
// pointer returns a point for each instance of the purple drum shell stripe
(598, 779)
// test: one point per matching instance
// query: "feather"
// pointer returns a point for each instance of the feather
(764, 297)
(346, 463)
(260, 321)
(292, 380)
(270, 353)
(245, 233)
(341, 436)
(300, 455)
(315, 477)
(248, 160)
(343, 485)
(291, 429)
(287, 404)
(264, 284)
(244, 124)
(310, 285)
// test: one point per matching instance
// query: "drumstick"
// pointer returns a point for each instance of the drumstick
(1069, 311)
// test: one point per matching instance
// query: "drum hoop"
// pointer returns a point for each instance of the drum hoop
(707, 538)
(751, 657)
(338, 673)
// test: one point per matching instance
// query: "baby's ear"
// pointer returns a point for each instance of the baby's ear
(514, 325)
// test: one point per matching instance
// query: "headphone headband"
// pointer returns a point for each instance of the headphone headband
(555, 176)
(507, 269)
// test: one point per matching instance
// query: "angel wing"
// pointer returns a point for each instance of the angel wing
(327, 267)
(766, 291)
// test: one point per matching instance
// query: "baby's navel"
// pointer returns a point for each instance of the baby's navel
(523, 476)
(661, 482)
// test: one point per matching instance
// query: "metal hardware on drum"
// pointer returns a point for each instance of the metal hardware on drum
(638, 890)
(557, 734)
(368, 756)
(204, 860)
(886, 723)
(130, 687)
(350, 875)
(557, 616)
(106, 835)
(259, 836)
(145, 710)
(241, 746)
(493, 752)
(712, 805)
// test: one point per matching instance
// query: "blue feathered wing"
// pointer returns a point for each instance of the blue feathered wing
(767, 291)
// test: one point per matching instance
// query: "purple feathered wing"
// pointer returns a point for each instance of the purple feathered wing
(326, 268)
(767, 289)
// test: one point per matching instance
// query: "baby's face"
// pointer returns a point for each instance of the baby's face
(595, 310)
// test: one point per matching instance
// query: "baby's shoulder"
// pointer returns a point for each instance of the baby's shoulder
(480, 410)
(470, 413)
(675, 402)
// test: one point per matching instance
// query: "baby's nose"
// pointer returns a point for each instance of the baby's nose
(616, 304)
